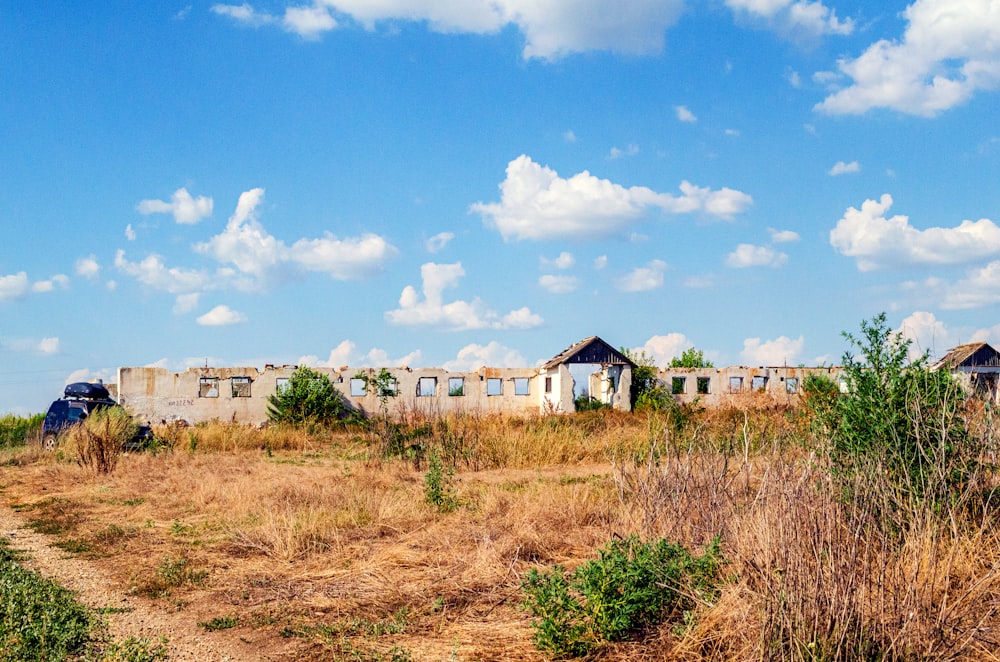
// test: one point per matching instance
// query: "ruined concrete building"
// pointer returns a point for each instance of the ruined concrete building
(241, 394)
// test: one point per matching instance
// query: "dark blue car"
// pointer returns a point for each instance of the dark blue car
(79, 401)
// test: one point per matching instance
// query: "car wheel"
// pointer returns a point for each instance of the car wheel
(49, 441)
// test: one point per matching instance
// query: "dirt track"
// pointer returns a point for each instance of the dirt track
(131, 616)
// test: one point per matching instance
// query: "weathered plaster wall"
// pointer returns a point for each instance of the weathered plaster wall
(782, 383)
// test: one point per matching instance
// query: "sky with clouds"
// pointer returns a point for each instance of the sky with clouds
(484, 182)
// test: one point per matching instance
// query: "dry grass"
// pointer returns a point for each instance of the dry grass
(321, 553)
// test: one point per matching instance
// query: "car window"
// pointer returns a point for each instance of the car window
(77, 412)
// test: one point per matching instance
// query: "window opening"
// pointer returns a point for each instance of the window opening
(494, 386)
(703, 385)
(456, 386)
(427, 387)
(241, 387)
(678, 385)
(520, 386)
(358, 387)
(280, 384)
(792, 385)
(759, 383)
(208, 387)
(735, 384)
(548, 384)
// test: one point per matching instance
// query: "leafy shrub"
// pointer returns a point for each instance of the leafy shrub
(308, 397)
(439, 490)
(100, 439)
(898, 440)
(630, 586)
(39, 620)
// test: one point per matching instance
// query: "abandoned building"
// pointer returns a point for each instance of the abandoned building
(591, 367)
(977, 365)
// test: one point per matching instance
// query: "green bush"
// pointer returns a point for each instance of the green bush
(439, 489)
(898, 440)
(632, 585)
(309, 397)
(16, 430)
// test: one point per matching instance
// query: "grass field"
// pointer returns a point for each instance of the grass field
(314, 546)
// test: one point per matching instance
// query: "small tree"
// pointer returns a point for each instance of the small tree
(308, 397)
(691, 358)
(648, 392)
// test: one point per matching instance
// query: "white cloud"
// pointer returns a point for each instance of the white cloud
(698, 282)
(979, 288)
(59, 280)
(185, 303)
(129, 232)
(600, 262)
(569, 136)
(559, 284)
(617, 153)
(105, 375)
(346, 354)
(783, 236)
(552, 29)
(795, 18)
(685, 115)
(564, 260)
(536, 203)
(748, 255)
(184, 208)
(876, 241)
(308, 22)
(777, 352)
(664, 348)
(48, 346)
(842, 168)
(14, 286)
(492, 355)
(927, 333)
(221, 316)
(949, 51)
(455, 315)
(644, 278)
(438, 241)
(152, 272)
(88, 267)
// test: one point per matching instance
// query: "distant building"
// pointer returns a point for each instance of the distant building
(977, 365)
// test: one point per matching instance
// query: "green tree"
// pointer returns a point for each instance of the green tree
(691, 358)
(308, 397)
(648, 392)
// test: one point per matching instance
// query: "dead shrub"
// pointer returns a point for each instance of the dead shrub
(99, 440)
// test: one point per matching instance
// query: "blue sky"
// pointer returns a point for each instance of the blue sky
(465, 182)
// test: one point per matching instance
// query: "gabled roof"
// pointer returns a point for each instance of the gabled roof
(969, 355)
(589, 350)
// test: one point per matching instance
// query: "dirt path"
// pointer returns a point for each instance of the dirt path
(138, 617)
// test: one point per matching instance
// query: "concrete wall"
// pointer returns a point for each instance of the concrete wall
(782, 383)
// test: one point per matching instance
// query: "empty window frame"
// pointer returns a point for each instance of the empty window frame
(427, 387)
(208, 387)
(494, 386)
(240, 386)
(704, 385)
(548, 384)
(735, 384)
(678, 385)
(521, 386)
(759, 383)
(792, 385)
(359, 387)
(280, 384)
(456, 386)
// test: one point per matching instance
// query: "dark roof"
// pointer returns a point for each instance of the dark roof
(969, 355)
(589, 350)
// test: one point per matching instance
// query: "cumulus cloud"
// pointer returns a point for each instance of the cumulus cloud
(795, 17)
(927, 334)
(642, 279)
(153, 273)
(564, 260)
(129, 232)
(777, 352)
(949, 51)
(979, 288)
(842, 168)
(492, 355)
(438, 241)
(600, 262)
(618, 152)
(431, 309)
(106, 375)
(14, 286)
(749, 255)
(185, 303)
(878, 242)
(783, 236)
(664, 348)
(88, 267)
(551, 28)
(48, 346)
(221, 316)
(184, 208)
(536, 203)
(685, 115)
(559, 284)
(59, 280)
(346, 354)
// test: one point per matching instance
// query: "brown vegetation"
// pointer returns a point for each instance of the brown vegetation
(307, 545)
